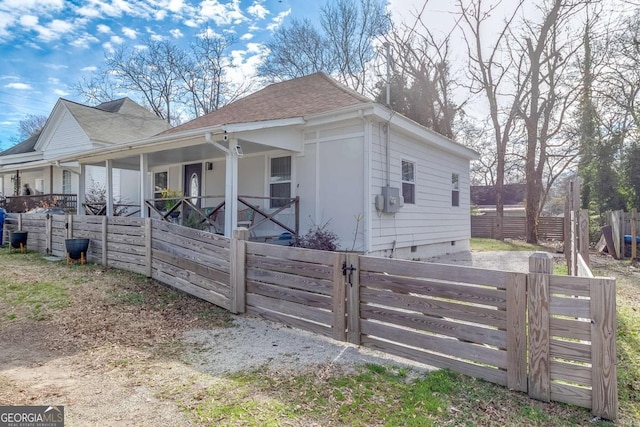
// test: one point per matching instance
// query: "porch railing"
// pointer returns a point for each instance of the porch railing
(184, 211)
(20, 204)
(119, 209)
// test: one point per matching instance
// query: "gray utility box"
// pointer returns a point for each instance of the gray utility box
(392, 201)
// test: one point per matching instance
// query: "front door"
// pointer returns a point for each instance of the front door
(193, 183)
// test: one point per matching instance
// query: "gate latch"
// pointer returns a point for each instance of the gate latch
(350, 269)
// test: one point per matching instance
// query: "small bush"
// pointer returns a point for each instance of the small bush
(318, 237)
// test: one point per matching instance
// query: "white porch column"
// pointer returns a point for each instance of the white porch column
(231, 189)
(145, 184)
(108, 164)
(82, 190)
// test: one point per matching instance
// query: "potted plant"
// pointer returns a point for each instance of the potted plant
(18, 240)
(171, 199)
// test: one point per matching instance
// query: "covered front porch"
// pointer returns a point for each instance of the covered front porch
(216, 181)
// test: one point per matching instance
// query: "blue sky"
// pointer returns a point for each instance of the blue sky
(48, 45)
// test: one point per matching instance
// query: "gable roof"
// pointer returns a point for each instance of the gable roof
(315, 93)
(111, 122)
(26, 146)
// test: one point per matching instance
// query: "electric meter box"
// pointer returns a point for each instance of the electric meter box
(392, 199)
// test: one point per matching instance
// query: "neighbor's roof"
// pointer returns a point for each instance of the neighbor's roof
(315, 93)
(485, 195)
(26, 146)
(117, 121)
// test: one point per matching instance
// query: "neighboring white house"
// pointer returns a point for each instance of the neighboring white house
(350, 161)
(72, 128)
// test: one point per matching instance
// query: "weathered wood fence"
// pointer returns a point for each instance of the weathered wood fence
(551, 228)
(552, 337)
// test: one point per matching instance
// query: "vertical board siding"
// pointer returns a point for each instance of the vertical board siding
(293, 286)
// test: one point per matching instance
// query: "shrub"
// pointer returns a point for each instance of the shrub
(318, 237)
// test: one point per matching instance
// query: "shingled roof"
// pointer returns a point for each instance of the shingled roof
(26, 146)
(315, 93)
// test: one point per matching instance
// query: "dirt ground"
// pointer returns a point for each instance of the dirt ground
(120, 350)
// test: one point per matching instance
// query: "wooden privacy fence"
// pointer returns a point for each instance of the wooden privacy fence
(551, 228)
(550, 336)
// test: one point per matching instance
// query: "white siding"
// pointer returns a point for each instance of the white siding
(431, 220)
(67, 138)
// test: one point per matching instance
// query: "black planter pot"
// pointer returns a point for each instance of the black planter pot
(76, 249)
(18, 239)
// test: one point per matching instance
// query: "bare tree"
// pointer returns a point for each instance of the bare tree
(342, 47)
(204, 74)
(421, 84)
(489, 71)
(30, 126)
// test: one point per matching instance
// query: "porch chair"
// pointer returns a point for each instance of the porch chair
(245, 219)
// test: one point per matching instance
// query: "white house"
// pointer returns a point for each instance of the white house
(383, 183)
(72, 128)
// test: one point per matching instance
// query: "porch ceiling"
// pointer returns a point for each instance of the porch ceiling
(190, 154)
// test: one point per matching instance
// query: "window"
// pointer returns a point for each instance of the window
(409, 182)
(455, 189)
(66, 182)
(280, 181)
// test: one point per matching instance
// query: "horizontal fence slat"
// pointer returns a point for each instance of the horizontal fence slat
(290, 321)
(493, 375)
(572, 395)
(446, 346)
(292, 281)
(423, 286)
(290, 308)
(291, 253)
(292, 295)
(570, 372)
(185, 286)
(570, 350)
(206, 271)
(468, 313)
(435, 325)
(570, 328)
(453, 273)
(305, 269)
(575, 307)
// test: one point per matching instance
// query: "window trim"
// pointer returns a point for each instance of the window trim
(67, 188)
(455, 189)
(413, 183)
(270, 177)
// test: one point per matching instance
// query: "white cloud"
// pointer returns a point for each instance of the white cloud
(90, 68)
(129, 32)
(176, 33)
(53, 80)
(161, 14)
(175, 5)
(54, 30)
(108, 47)
(56, 66)
(84, 41)
(191, 23)
(246, 36)
(18, 86)
(104, 29)
(6, 20)
(117, 40)
(258, 10)
(60, 92)
(29, 21)
(222, 14)
(140, 47)
(277, 20)
(20, 6)
(157, 37)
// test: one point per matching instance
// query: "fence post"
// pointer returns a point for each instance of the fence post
(49, 232)
(237, 273)
(339, 324)
(20, 222)
(69, 226)
(604, 386)
(104, 241)
(352, 282)
(148, 243)
(517, 332)
(540, 267)
(634, 232)
(583, 234)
